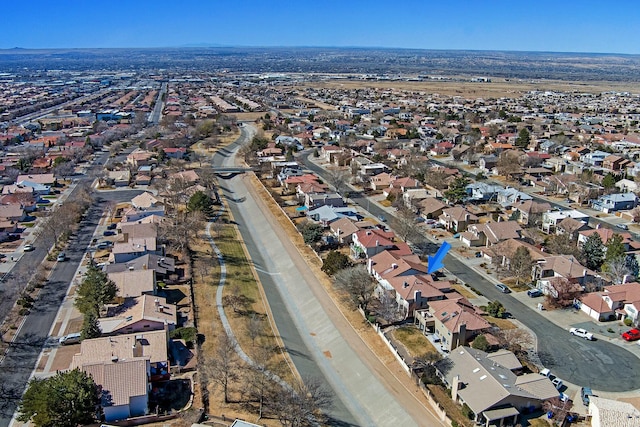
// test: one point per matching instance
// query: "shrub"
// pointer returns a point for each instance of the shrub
(628, 322)
(467, 412)
(454, 423)
(480, 343)
(610, 330)
(23, 311)
(188, 334)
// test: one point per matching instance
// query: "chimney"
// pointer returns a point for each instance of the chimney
(125, 237)
(161, 309)
(377, 243)
(462, 334)
(598, 225)
(455, 384)
(370, 266)
(394, 265)
(417, 296)
(156, 303)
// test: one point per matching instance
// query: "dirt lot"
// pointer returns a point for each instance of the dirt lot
(496, 89)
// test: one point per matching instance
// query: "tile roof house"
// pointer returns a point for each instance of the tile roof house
(140, 314)
(163, 266)
(615, 302)
(381, 181)
(343, 229)
(146, 200)
(126, 250)
(151, 345)
(134, 283)
(494, 393)
(367, 243)
(612, 413)
(530, 212)
(455, 321)
(560, 266)
(430, 207)
(413, 292)
(490, 233)
(125, 387)
(42, 178)
(605, 235)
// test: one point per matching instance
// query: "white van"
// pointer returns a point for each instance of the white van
(70, 339)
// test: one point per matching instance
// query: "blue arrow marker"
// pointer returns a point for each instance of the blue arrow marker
(435, 262)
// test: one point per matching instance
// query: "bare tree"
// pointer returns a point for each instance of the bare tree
(521, 264)
(405, 225)
(255, 328)
(508, 163)
(618, 269)
(515, 340)
(388, 308)
(303, 403)
(222, 369)
(338, 179)
(263, 385)
(357, 283)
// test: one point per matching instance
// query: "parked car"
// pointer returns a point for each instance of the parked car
(109, 233)
(70, 339)
(534, 293)
(112, 226)
(61, 257)
(557, 382)
(622, 226)
(503, 288)
(28, 247)
(585, 392)
(104, 245)
(582, 333)
(382, 218)
(631, 335)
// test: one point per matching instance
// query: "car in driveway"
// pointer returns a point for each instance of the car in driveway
(582, 333)
(109, 233)
(585, 393)
(631, 335)
(503, 288)
(534, 293)
(28, 247)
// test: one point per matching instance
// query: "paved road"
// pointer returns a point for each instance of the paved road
(156, 114)
(319, 340)
(22, 355)
(598, 364)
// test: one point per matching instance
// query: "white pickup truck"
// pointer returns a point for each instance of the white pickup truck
(582, 333)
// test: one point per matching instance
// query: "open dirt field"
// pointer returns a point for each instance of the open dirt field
(496, 89)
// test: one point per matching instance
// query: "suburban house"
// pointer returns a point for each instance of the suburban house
(551, 219)
(151, 345)
(327, 214)
(139, 314)
(605, 235)
(315, 200)
(560, 266)
(119, 178)
(163, 266)
(131, 248)
(501, 253)
(616, 163)
(612, 413)
(454, 322)
(344, 228)
(370, 242)
(616, 302)
(482, 192)
(615, 202)
(571, 227)
(415, 291)
(494, 393)
(134, 283)
(386, 266)
(530, 212)
(430, 207)
(511, 196)
(490, 233)
(12, 213)
(381, 181)
(457, 219)
(121, 398)
(47, 179)
(145, 200)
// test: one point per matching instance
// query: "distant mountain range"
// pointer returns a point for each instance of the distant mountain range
(521, 65)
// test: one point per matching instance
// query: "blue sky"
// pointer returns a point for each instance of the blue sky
(534, 25)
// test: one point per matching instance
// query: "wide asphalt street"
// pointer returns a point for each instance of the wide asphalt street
(596, 364)
(318, 339)
(22, 355)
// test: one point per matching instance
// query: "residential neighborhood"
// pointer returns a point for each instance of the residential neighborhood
(533, 196)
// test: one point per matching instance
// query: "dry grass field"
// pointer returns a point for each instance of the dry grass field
(496, 89)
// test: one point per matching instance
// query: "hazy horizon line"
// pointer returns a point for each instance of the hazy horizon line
(213, 45)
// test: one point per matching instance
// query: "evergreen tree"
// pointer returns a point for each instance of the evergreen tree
(523, 138)
(91, 326)
(615, 248)
(631, 262)
(334, 262)
(65, 400)
(457, 190)
(609, 181)
(593, 252)
(200, 202)
(95, 291)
